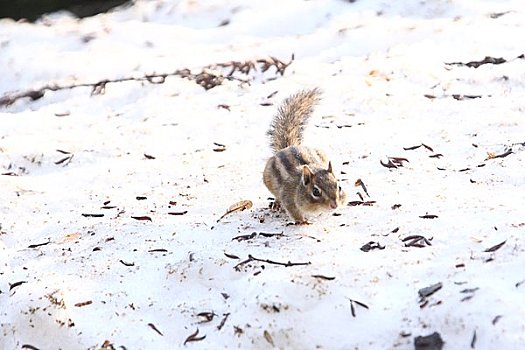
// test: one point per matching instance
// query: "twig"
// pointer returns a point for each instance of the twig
(268, 261)
(209, 77)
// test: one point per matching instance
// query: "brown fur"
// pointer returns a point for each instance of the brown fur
(289, 122)
(295, 170)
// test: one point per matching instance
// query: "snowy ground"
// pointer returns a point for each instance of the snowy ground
(148, 151)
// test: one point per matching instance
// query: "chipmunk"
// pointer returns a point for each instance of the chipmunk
(301, 178)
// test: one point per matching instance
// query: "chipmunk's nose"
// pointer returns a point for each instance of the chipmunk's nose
(333, 204)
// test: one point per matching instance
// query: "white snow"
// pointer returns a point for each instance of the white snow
(99, 283)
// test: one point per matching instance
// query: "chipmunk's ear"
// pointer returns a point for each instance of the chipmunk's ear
(307, 175)
(330, 168)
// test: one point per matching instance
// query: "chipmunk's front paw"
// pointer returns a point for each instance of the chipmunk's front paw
(275, 205)
(303, 222)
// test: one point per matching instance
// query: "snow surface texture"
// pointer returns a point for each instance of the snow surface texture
(70, 281)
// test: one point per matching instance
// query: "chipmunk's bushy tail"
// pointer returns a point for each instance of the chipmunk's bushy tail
(289, 122)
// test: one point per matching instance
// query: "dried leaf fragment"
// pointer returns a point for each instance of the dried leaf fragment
(184, 212)
(84, 303)
(492, 155)
(16, 284)
(473, 341)
(89, 215)
(268, 338)
(476, 64)
(142, 218)
(126, 263)
(428, 291)
(237, 207)
(158, 250)
(194, 337)
(428, 216)
(360, 182)
(428, 147)
(494, 248)
(69, 237)
(461, 97)
(496, 319)
(352, 307)
(231, 256)
(390, 164)
(437, 155)
(394, 162)
(364, 203)
(372, 245)
(322, 277)
(429, 342)
(38, 244)
(417, 241)
(65, 160)
(30, 347)
(411, 148)
(223, 321)
(219, 147)
(206, 316)
(152, 326)
(245, 237)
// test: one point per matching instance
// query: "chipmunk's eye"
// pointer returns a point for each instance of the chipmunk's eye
(316, 192)
(340, 189)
